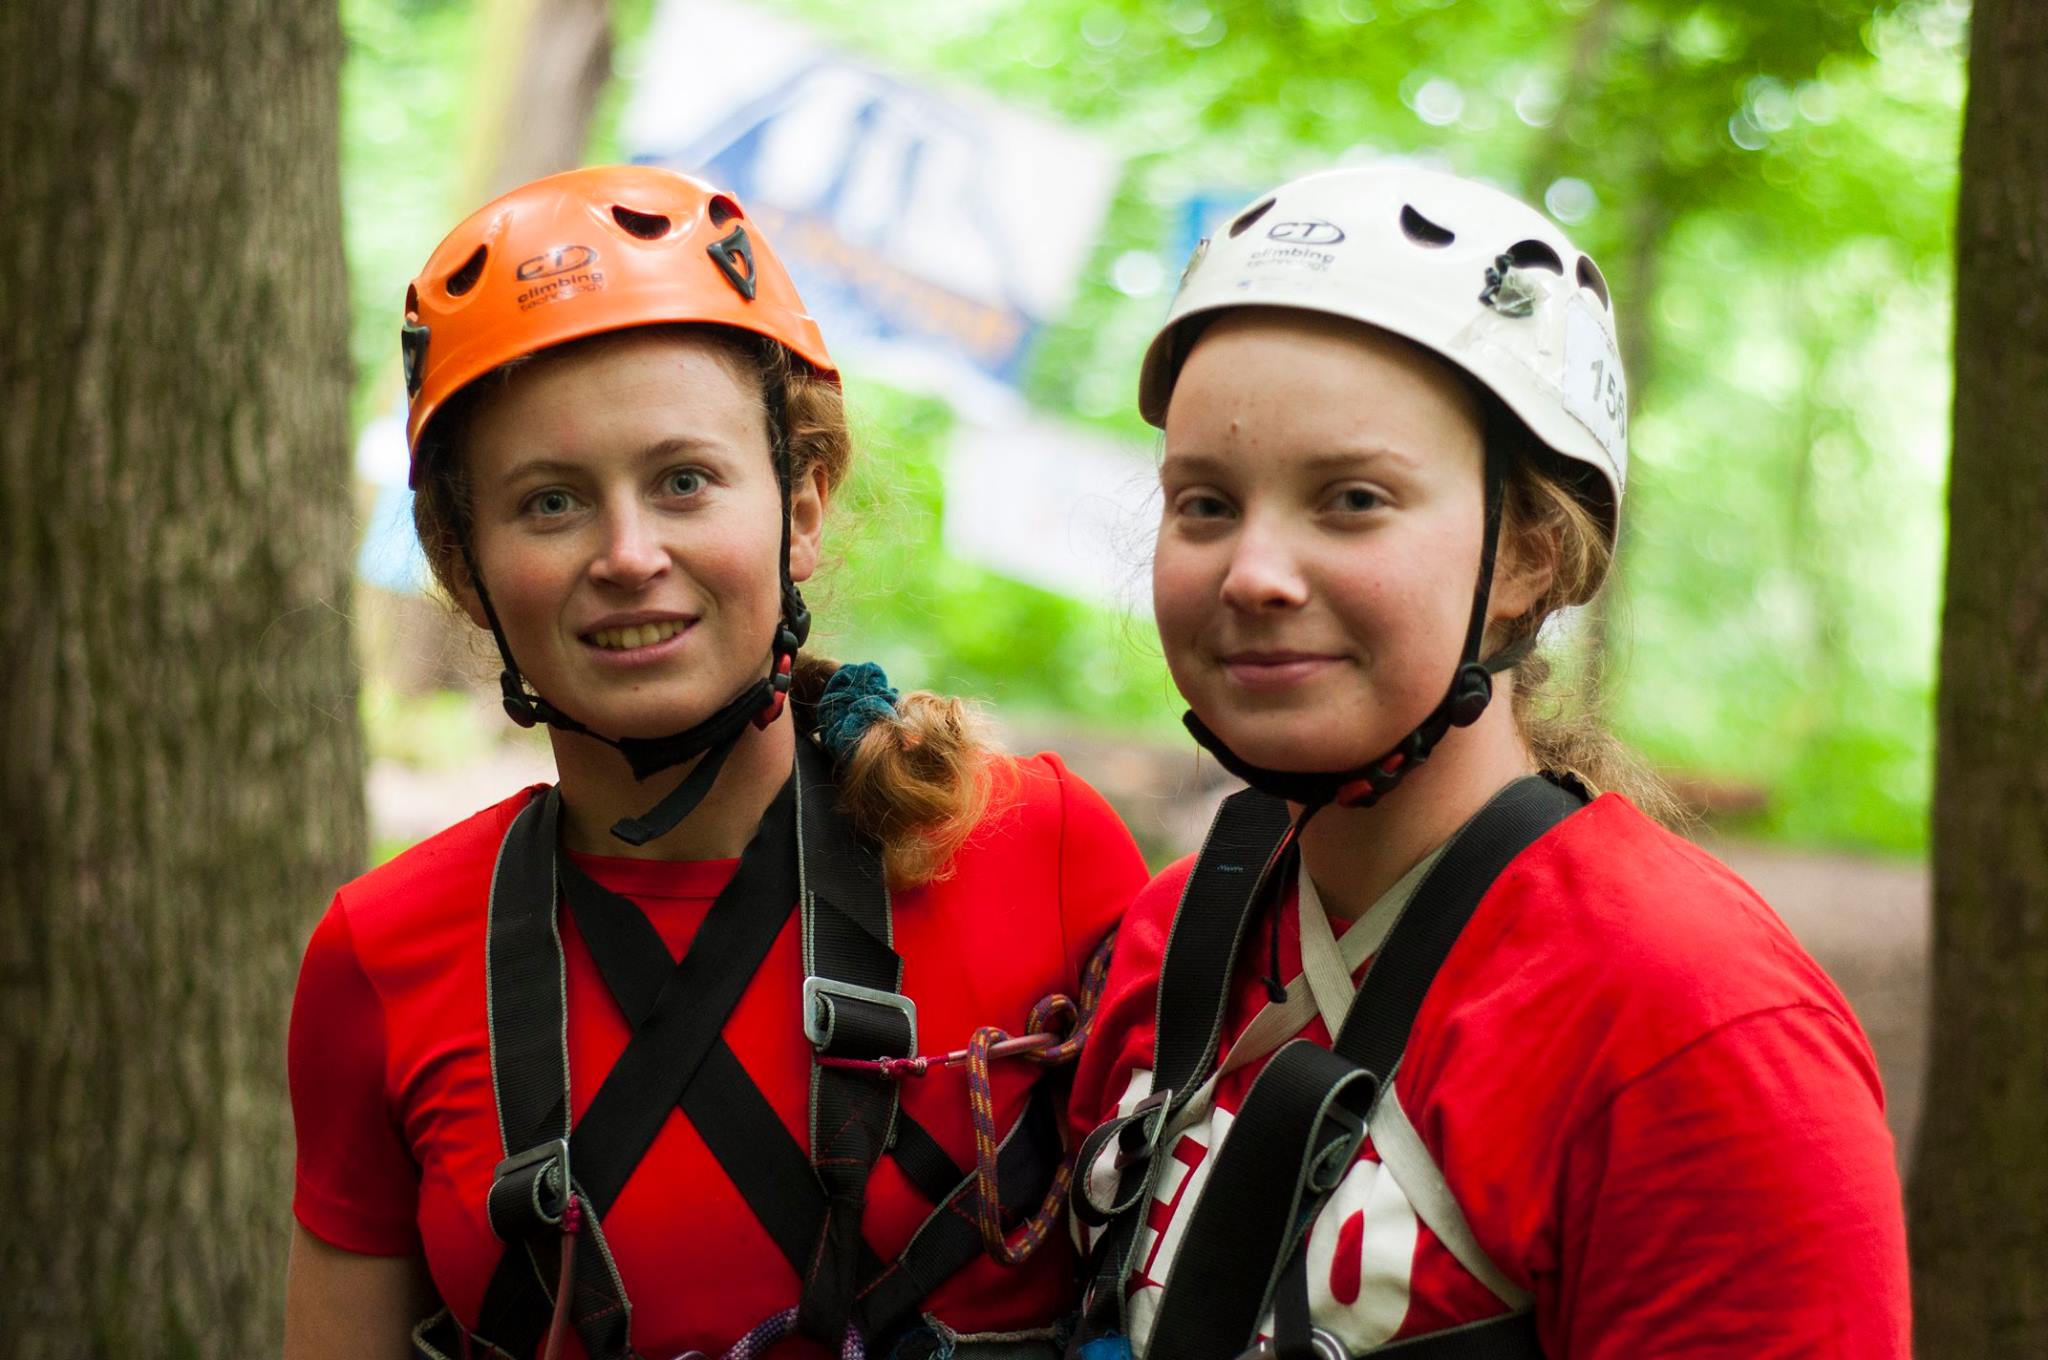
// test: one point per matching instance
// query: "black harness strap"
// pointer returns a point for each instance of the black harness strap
(1209, 927)
(738, 1125)
(803, 854)
(1299, 1128)
(526, 986)
(853, 1007)
(950, 1237)
(644, 1084)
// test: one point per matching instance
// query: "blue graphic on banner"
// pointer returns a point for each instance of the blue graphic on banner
(837, 245)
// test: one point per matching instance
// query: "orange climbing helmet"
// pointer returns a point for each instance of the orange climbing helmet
(587, 251)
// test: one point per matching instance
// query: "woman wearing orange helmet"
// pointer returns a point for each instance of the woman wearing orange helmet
(691, 1050)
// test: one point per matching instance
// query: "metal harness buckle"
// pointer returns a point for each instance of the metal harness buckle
(547, 1190)
(821, 1015)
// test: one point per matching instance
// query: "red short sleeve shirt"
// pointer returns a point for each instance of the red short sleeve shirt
(1655, 1110)
(391, 1082)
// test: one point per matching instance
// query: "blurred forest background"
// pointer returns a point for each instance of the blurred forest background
(1769, 187)
(206, 587)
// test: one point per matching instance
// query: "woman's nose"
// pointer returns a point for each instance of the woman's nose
(1264, 573)
(632, 553)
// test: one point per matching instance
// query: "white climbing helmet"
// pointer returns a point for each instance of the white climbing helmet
(1460, 268)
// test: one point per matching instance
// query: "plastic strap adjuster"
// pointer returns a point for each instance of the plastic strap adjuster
(530, 1190)
(1138, 1137)
(845, 1020)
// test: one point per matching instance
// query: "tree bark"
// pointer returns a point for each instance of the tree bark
(181, 768)
(1979, 1192)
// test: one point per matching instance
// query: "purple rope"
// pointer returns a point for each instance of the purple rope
(771, 1332)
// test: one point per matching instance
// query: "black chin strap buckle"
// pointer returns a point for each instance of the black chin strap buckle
(519, 705)
(1470, 693)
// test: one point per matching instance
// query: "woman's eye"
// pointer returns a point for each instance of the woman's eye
(1355, 500)
(550, 503)
(684, 482)
(1200, 505)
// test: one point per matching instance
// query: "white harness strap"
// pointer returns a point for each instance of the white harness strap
(1407, 1159)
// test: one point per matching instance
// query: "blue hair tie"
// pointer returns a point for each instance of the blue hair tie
(855, 697)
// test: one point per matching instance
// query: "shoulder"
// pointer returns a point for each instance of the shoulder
(1037, 801)
(1615, 936)
(442, 880)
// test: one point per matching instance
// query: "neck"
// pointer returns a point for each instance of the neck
(1355, 854)
(598, 789)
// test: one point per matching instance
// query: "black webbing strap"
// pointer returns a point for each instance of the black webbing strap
(749, 1140)
(1299, 1127)
(950, 1237)
(853, 1007)
(1512, 1336)
(526, 986)
(668, 1046)
(769, 1167)
(1209, 927)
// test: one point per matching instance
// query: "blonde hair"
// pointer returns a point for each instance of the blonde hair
(1560, 512)
(915, 784)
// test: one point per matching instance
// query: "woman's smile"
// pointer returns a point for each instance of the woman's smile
(1278, 669)
(638, 640)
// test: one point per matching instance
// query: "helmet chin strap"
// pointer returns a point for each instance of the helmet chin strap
(715, 738)
(1362, 786)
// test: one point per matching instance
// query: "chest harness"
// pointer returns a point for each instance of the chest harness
(1245, 1245)
(550, 1194)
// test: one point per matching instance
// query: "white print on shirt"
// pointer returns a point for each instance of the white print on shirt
(1361, 1247)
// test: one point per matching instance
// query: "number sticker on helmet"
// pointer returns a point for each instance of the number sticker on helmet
(1594, 389)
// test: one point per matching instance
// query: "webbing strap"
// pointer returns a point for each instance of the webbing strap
(736, 1122)
(669, 1043)
(1287, 1146)
(526, 1004)
(853, 1008)
(1511, 1336)
(1209, 926)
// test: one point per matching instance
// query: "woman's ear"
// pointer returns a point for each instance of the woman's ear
(808, 498)
(462, 589)
(1523, 570)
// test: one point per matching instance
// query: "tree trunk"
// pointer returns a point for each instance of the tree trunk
(180, 766)
(1979, 1193)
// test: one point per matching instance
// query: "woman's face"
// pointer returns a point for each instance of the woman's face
(1320, 537)
(627, 525)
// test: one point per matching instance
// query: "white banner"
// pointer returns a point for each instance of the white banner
(935, 232)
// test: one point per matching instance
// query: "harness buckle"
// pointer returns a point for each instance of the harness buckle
(825, 1014)
(537, 1181)
(1138, 1139)
(1322, 1346)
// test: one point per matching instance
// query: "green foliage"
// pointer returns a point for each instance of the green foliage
(895, 595)
(1769, 188)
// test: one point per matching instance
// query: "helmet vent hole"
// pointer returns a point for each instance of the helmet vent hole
(1249, 216)
(464, 279)
(412, 300)
(723, 210)
(1424, 232)
(1534, 255)
(1590, 277)
(646, 226)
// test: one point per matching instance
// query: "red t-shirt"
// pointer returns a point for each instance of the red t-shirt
(391, 1081)
(1656, 1111)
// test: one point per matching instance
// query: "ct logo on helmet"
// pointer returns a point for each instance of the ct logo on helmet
(1310, 233)
(562, 272)
(560, 260)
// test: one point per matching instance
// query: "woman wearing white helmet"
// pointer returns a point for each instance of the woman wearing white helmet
(1590, 1098)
